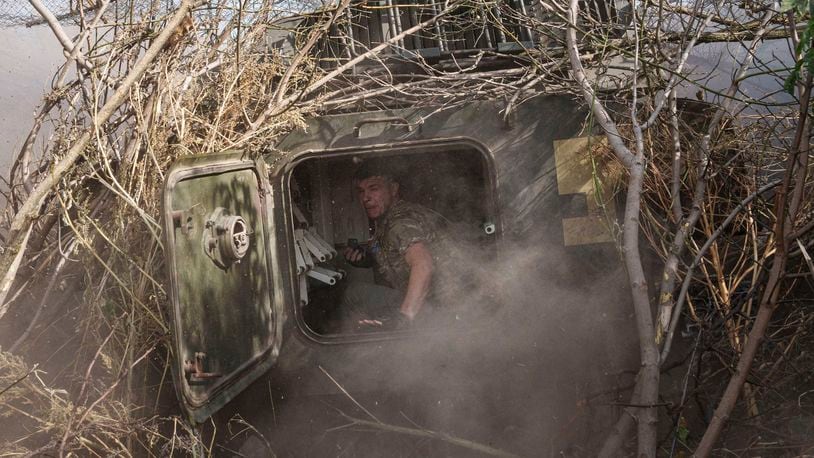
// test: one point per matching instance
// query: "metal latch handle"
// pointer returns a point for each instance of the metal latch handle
(402, 122)
(194, 370)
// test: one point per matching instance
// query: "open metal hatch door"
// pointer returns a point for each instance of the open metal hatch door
(226, 321)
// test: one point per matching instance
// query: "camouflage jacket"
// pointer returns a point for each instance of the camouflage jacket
(404, 224)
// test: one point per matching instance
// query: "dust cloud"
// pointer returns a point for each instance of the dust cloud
(530, 365)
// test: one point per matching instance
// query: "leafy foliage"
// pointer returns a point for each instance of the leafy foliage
(803, 9)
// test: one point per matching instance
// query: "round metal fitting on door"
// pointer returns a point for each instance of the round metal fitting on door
(226, 238)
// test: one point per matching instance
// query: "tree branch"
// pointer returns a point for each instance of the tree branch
(635, 165)
(21, 224)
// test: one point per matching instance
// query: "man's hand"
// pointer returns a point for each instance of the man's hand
(354, 255)
(357, 256)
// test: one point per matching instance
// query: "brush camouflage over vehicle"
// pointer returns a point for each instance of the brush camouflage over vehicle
(235, 313)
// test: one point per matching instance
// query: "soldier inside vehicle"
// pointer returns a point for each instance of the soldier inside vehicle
(409, 249)
(389, 242)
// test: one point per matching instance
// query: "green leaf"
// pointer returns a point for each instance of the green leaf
(791, 81)
(682, 432)
(803, 48)
(799, 6)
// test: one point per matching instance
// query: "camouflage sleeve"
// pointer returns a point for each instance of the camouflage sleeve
(407, 231)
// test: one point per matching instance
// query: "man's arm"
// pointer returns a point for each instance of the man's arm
(419, 259)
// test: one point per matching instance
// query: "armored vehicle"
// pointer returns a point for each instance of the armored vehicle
(255, 272)
(538, 327)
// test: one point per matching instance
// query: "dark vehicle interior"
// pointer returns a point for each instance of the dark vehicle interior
(456, 182)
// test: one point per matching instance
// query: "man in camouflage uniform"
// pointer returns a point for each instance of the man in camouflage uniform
(407, 251)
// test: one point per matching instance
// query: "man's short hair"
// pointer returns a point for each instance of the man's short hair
(375, 168)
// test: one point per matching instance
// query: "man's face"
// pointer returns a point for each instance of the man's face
(376, 195)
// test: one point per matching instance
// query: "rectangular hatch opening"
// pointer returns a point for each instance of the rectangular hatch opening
(446, 190)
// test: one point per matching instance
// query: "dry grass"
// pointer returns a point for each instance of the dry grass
(214, 87)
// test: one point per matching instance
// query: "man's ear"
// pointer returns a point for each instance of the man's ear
(394, 189)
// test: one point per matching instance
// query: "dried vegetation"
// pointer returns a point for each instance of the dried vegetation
(146, 84)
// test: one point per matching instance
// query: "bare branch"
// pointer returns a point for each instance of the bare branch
(22, 221)
(70, 49)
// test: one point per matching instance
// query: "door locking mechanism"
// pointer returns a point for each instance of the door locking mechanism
(194, 370)
(225, 238)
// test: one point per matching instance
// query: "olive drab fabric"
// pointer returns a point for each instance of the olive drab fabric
(405, 224)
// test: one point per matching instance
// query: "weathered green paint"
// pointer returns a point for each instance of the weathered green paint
(226, 313)
(528, 210)
(521, 148)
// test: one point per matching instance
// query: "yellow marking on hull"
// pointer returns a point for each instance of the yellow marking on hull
(575, 175)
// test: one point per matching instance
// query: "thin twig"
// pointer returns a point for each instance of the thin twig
(425, 433)
(682, 296)
(345, 392)
(33, 368)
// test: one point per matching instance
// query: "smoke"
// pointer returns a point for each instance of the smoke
(526, 360)
(528, 365)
